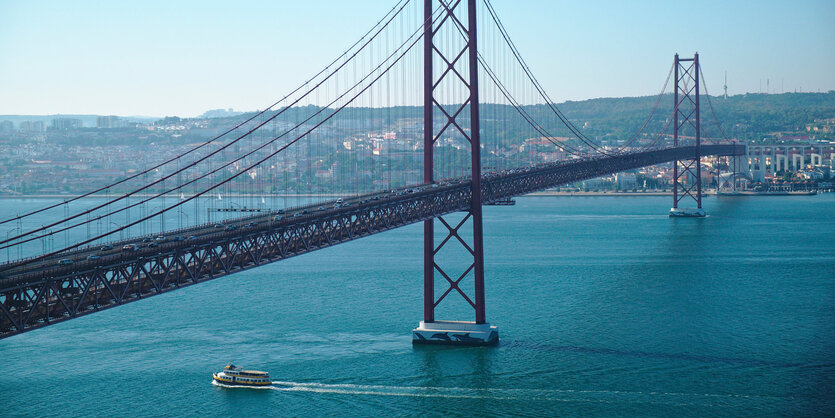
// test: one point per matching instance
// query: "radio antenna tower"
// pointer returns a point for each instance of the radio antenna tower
(726, 85)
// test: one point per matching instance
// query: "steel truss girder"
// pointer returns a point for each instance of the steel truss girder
(35, 300)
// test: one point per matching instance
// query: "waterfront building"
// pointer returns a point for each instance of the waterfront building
(626, 181)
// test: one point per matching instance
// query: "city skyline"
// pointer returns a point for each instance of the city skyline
(158, 59)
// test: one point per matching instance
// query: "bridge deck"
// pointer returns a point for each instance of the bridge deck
(40, 292)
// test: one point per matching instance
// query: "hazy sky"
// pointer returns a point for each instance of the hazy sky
(184, 57)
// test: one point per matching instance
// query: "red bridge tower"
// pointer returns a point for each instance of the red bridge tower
(687, 174)
(430, 330)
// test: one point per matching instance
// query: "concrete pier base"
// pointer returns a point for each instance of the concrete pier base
(687, 213)
(455, 333)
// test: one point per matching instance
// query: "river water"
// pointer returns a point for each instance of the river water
(605, 307)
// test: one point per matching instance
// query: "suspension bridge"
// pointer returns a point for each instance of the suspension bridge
(425, 118)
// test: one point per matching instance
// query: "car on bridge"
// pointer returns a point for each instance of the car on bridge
(65, 261)
(130, 247)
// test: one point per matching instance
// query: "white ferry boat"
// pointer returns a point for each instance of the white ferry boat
(231, 375)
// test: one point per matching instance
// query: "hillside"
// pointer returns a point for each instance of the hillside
(751, 117)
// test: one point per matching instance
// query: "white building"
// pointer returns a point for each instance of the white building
(626, 181)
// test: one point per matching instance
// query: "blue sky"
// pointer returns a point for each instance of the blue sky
(184, 57)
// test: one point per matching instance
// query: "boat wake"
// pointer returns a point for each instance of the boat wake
(547, 395)
(554, 395)
(378, 390)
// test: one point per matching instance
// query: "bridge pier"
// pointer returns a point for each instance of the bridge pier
(455, 333)
(430, 331)
(760, 175)
(798, 160)
(816, 159)
(781, 163)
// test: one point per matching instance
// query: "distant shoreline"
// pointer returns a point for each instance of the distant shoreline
(534, 194)
(614, 194)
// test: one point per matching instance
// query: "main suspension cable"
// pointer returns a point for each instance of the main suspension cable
(519, 108)
(279, 150)
(194, 163)
(548, 101)
(177, 157)
(651, 113)
(710, 103)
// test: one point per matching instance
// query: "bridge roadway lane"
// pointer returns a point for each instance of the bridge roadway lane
(39, 292)
(186, 237)
(22, 268)
(144, 242)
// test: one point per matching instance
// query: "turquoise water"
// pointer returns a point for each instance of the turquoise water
(605, 307)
